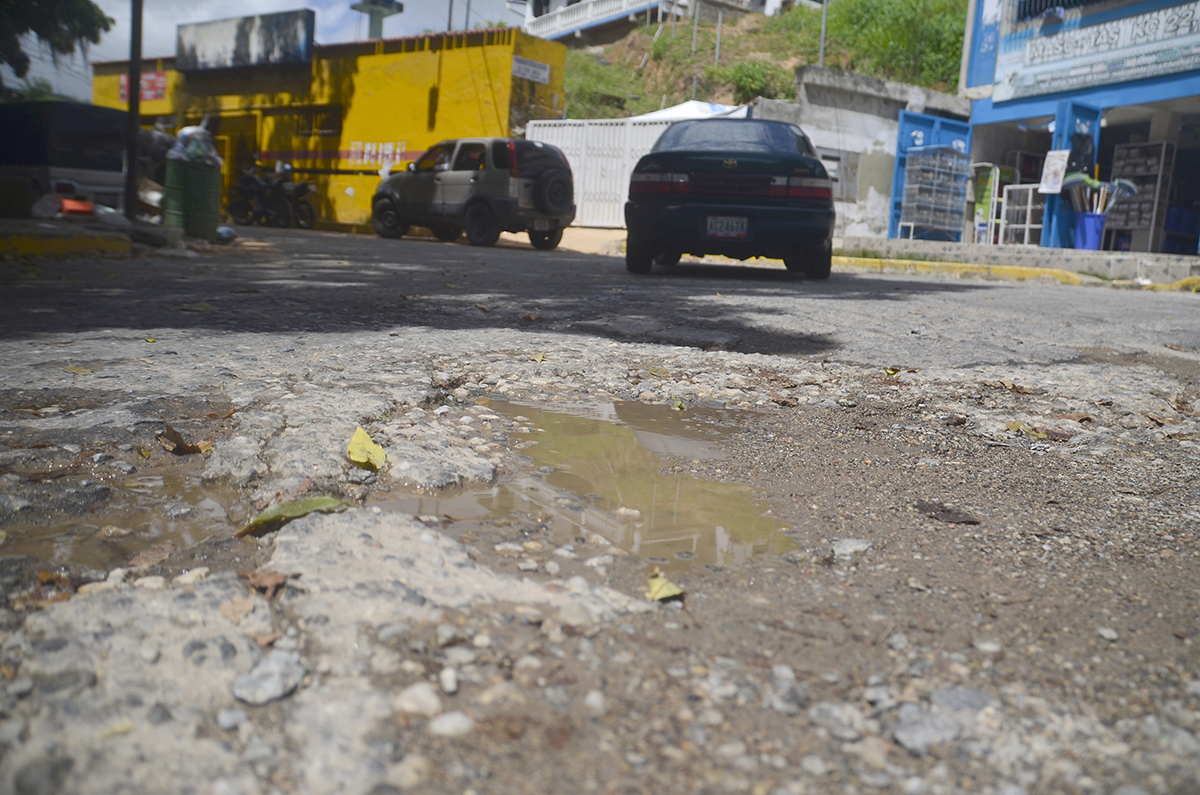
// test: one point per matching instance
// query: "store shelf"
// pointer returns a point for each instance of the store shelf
(1150, 166)
(934, 202)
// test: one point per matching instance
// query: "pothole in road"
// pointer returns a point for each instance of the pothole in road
(604, 469)
(134, 514)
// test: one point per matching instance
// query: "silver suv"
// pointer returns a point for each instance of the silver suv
(483, 186)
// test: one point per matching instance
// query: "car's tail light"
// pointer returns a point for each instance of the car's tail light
(808, 188)
(513, 169)
(680, 183)
(649, 183)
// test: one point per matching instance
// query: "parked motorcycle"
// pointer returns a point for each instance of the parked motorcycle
(302, 210)
(258, 199)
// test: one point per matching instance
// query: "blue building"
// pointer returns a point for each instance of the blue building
(1116, 83)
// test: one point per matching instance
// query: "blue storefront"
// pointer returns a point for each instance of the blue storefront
(1114, 88)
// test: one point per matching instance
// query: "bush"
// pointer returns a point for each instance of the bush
(752, 79)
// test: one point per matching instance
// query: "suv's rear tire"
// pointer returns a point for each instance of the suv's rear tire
(639, 255)
(446, 234)
(480, 225)
(553, 192)
(668, 258)
(386, 220)
(546, 240)
(815, 262)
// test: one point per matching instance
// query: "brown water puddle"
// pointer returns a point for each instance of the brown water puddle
(142, 511)
(605, 469)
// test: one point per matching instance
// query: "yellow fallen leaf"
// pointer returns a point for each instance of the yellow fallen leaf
(720, 296)
(145, 453)
(147, 361)
(73, 370)
(678, 405)
(453, 286)
(365, 452)
(538, 357)
(659, 372)
(150, 339)
(660, 589)
(123, 726)
(891, 370)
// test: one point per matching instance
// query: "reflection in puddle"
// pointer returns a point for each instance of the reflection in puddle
(598, 470)
(139, 512)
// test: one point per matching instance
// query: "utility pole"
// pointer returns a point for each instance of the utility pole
(821, 57)
(450, 18)
(133, 121)
(717, 59)
(695, 25)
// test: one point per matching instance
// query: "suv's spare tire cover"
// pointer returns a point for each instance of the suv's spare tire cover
(553, 193)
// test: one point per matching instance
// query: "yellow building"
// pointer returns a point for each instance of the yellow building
(357, 107)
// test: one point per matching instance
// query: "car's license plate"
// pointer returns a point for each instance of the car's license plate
(728, 226)
(541, 223)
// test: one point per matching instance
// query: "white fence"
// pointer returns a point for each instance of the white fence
(602, 154)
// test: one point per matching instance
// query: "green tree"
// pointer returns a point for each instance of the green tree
(61, 25)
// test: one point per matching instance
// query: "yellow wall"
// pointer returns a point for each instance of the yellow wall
(359, 107)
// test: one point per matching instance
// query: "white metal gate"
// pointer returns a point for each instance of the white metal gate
(602, 154)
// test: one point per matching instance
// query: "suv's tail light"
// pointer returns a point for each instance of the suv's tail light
(513, 169)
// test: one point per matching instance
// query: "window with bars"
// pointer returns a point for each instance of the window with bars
(1031, 9)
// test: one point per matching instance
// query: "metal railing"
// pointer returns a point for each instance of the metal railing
(582, 15)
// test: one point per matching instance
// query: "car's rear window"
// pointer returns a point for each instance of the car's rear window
(746, 135)
(535, 156)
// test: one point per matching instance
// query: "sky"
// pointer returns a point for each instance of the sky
(335, 22)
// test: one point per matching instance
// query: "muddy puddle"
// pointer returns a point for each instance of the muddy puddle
(612, 470)
(135, 514)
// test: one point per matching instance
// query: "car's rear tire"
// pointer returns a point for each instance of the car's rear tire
(480, 225)
(639, 255)
(553, 192)
(668, 258)
(545, 240)
(446, 234)
(814, 263)
(386, 220)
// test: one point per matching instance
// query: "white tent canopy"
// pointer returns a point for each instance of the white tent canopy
(695, 109)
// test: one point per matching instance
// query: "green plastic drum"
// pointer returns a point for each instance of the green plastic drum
(192, 198)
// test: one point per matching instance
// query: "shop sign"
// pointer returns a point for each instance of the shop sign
(377, 153)
(1160, 42)
(531, 70)
(154, 86)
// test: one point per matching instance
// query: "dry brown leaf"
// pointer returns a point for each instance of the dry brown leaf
(944, 513)
(1053, 434)
(266, 639)
(152, 556)
(1160, 420)
(266, 581)
(783, 400)
(236, 608)
(173, 442)
(1074, 416)
(483, 307)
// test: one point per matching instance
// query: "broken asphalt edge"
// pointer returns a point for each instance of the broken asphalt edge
(1005, 272)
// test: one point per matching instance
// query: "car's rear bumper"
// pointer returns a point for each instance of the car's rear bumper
(512, 217)
(770, 231)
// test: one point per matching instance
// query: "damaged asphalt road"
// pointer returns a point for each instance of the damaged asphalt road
(941, 539)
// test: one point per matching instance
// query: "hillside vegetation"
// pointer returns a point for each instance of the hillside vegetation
(914, 41)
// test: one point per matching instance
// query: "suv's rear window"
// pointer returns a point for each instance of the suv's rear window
(705, 135)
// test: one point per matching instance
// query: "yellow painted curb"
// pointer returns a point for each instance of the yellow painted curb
(57, 246)
(1015, 272)
(1191, 284)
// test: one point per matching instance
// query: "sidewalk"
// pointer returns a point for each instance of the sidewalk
(1120, 269)
(34, 238)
